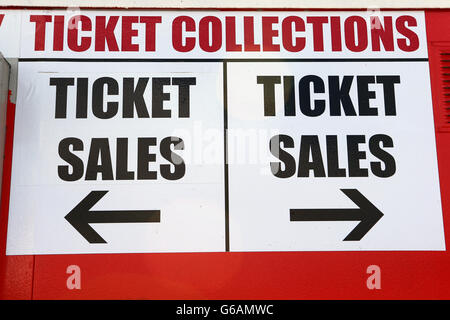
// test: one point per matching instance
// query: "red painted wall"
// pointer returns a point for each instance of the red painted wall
(282, 275)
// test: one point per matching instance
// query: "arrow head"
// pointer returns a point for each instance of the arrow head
(366, 213)
(370, 215)
(78, 217)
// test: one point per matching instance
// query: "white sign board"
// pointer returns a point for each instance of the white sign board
(359, 150)
(142, 131)
(80, 145)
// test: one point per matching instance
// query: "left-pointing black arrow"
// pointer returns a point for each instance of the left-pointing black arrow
(81, 216)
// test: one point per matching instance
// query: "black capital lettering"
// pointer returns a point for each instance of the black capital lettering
(310, 148)
(144, 157)
(159, 96)
(375, 148)
(134, 98)
(355, 155)
(97, 97)
(305, 95)
(389, 93)
(285, 158)
(184, 95)
(76, 163)
(99, 149)
(364, 96)
(340, 96)
(268, 83)
(122, 172)
(173, 158)
(61, 95)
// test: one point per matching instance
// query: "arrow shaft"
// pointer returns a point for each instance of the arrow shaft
(128, 216)
(366, 213)
(326, 214)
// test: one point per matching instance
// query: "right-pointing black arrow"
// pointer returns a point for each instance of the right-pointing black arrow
(367, 214)
(81, 216)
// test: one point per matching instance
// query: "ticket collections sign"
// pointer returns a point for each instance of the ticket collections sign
(223, 131)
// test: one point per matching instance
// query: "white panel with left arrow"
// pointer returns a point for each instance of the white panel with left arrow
(104, 160)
